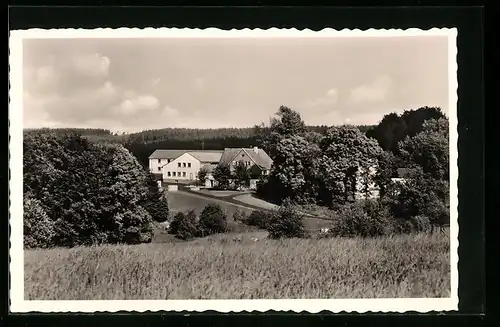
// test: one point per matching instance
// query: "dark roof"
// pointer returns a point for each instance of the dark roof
(260, 157)
(209, 168)
(202, 155)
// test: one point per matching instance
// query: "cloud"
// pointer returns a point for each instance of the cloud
(199, 83)
(92, 65)
(138, 104)
(375, 91)
(329, 99)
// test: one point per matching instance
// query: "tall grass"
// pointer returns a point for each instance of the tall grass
(219, 268)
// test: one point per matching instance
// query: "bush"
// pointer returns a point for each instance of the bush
(286, 222)
(158, 209)
(259, 219)
(38, 228)
(365, 218)
(421, 224)
(184, 225)
(212, 220)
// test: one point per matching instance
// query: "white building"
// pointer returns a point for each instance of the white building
(181, 166)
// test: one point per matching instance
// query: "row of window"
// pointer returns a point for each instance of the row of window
(184, 164)
(159, 161)
(179, 174)
(247, 163)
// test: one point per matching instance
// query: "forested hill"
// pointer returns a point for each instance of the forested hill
(142, 144)
(392, 129)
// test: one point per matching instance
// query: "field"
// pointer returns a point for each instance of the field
(216, 267)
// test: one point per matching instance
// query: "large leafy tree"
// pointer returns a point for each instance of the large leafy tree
(394, 128)
(222, 175)
(293, 168)
(92, 192)
(346, 154)
(429, 149)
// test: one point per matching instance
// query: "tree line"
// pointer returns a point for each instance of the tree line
(330, 169)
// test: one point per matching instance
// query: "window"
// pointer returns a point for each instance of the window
(179, 173)
(168, 160)
(184, 165)
(159, 160)
(247, 163)
(179, 164)
(168, 174)
(173, 173)
(183, 174)
(189, 165)
(159, 168)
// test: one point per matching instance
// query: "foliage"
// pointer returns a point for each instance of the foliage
(241, 175)
(184, 225)
(155, 203)
(366, 218)
(429, 149)
(202, 175)
(420, 195)
(259, 218)
(93, 192)
(213, 220)
(287, 222)
(394, 128)
(222, 175)
(347, 153)
(293, 168)
(38, 228)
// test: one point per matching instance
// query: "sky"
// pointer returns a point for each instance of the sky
(129, 85)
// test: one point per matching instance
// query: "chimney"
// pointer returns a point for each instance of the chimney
(255, 149)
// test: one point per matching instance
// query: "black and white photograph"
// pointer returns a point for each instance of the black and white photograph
(177, 169)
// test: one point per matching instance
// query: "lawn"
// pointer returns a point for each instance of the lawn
(217, 267)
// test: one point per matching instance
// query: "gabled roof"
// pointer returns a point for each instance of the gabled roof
(261, 158)
(207, 156)
(167, 154)
(202, 155)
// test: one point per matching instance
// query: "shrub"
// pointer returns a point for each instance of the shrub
(286, 222)
(212, 220)
(184, 225)
(158, 209)
(38, 228)
(259, 219)
(421, 223)
(365, 218)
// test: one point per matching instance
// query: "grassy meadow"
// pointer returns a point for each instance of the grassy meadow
(217, 267)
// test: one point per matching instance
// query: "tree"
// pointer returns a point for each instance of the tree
(393, 128)
(91, 191)
(38, 228)
(222, 175)
(241, 175)
(202, 175)
(292, 167)
(212, 220)
(155, 203)
(429, 149)
(345, 152)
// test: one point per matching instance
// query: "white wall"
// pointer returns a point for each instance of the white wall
(154, 164)
(189, 168)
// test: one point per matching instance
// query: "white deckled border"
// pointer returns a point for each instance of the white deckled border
(18, 304)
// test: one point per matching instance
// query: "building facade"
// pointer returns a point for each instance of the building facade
(183, 166)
